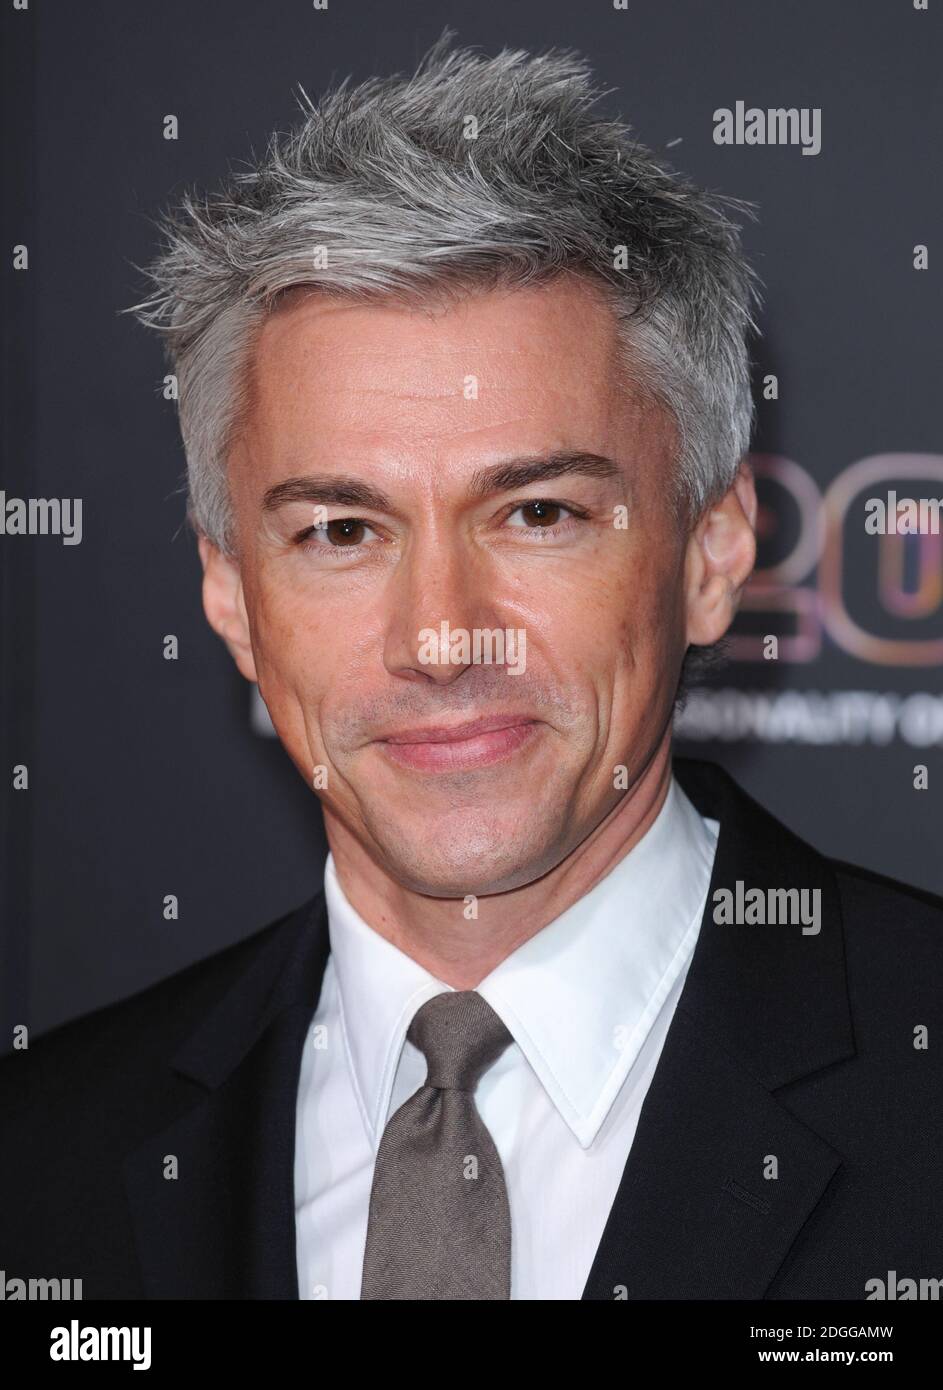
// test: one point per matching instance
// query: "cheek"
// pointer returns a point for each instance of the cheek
(643, 605)
(646, 630)
(290, 640)
(311, 662)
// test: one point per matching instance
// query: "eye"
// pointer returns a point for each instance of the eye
(341, 533)
(542, 514)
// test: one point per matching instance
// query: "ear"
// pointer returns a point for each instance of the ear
(224, 605)
(719, 560)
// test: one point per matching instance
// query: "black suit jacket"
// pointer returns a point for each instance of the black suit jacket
(784, 1045)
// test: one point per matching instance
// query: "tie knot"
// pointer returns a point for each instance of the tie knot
(460, 1035)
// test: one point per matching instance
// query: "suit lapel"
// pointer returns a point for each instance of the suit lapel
(224, 1226)
(694, 1216)
(762, 1007)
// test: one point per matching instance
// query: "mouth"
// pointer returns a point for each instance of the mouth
(459, 747)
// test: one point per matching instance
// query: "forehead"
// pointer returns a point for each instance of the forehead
(488, 361)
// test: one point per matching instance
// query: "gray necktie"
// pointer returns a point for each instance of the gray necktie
(439, 1224)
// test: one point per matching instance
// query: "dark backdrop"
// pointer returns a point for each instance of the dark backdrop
(147, 776)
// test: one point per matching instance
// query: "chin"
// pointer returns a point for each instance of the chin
(473, 865)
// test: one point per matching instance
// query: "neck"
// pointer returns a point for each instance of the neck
(461, 953)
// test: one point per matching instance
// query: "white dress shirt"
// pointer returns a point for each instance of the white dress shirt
(587, 1000)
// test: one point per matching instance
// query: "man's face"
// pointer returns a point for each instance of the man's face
(419, 413)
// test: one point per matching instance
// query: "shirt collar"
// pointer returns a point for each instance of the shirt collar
(579, 997)
(379, 988)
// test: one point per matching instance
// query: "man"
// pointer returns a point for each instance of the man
(464, 390)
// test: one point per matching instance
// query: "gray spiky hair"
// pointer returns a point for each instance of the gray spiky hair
(473, 173)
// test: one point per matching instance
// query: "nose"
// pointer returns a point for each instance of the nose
(439, 594)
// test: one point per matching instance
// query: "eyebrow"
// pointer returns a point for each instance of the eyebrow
(500, 477)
